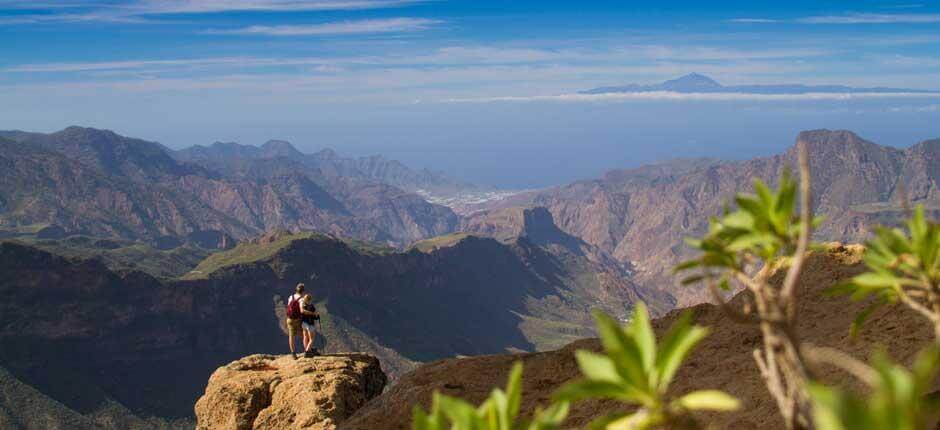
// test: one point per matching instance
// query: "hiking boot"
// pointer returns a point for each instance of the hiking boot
(315, 352)
(308, 354)
(293, 354)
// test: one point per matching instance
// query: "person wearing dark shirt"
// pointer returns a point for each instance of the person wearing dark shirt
(309, 320)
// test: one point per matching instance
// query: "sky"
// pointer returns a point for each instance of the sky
(479, 89)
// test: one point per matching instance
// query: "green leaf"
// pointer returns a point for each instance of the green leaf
(875, 280)
(623, 350)
(602, 422)
(686, 265)
(827, 404)
(588, 389)
(459, 412)
(423, 421)
(763, 191)
(676, 345)
(862, 316)
(642, 331)
(712, 400)
(514, 391)
(597, 367)
(551, 418)
(639, 420)
(692, 279)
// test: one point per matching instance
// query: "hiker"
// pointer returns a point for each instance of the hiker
(294, 316)
(309, 317)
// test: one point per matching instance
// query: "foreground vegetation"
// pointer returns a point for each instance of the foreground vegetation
(767, 233)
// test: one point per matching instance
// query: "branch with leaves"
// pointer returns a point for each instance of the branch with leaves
(637, 371)
(903, 266)
(897, 398)
(763, 235)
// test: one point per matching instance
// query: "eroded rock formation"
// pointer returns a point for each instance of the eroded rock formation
(279, 392)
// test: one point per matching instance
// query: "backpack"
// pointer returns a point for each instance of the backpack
(293, 308)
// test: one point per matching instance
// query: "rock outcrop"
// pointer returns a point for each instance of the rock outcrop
(277, 392)
(722, 361)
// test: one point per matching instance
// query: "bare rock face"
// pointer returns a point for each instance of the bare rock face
(278, 392)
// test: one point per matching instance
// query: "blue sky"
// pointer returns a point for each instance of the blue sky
(427, 81)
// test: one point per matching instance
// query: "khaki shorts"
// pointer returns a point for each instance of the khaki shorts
(293, 326)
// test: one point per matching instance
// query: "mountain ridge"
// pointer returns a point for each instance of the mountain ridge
(857, 185)
(96, 182)
(376, 168)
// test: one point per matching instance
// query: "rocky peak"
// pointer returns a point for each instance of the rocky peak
(539, 227)
(111, 152)
(279, 148)
(279, 392)
(840, 140)
(75, 131)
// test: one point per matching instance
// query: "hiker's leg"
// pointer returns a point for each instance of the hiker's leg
(290, 340)
(306, 340)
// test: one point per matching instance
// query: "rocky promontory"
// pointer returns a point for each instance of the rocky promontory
(279, 392)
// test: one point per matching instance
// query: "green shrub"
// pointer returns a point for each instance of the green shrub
(902, 266)
(498, 412)
(897, 400)
(637, 371)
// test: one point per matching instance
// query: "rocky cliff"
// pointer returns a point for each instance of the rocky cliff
(266, 392)
(723, 360)
(641, 215)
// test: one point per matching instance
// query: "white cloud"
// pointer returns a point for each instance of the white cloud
(123, 65)
(851, 18)
(917, 109)
(367, 26)
(872, 18)
(137, 11)
(611, 58)
(753, 20)
(213, 6)
(671, 95)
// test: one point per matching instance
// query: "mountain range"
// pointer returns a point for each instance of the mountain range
(374, 168)
(153, 267)
(640, 216)
(96, 182)
(698, 83)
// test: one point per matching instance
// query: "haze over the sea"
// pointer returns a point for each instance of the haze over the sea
(479, 89)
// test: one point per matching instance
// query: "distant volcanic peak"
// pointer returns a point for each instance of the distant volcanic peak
(691, 82)
(699, 83)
